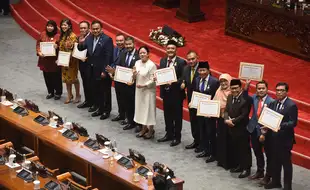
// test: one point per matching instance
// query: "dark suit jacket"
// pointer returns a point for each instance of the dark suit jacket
(175, 87)
(212, 85)
(253, 124)
(116, 58)
(286, 134)
(133, 60)
(239, 113)
(190, 86)
(102, 55)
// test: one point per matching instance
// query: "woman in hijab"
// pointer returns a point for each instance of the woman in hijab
(51, 72)
(223, 140)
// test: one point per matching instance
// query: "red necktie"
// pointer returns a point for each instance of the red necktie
(259, 107)
(169, 62)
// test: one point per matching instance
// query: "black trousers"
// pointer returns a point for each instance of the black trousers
(173, 113)
(282, 157)
(128, 101)
(86, 74)
(119, 90)
(207, 128)
(194, 125)
(258, 152)
(242, 151)
(5, 6)
(224, 149)
(53, 82)
(101, 92)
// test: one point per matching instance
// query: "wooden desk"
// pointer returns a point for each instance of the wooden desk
(276, 28)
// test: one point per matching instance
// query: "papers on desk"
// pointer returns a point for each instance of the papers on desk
(209, 108)
(270, 119)
(196, 97)
(15, 165)
(165, 76)
(62, 130)
(48, 48)
(64, 58)
(123, 74)
(81, 55)
(251, 71)
(6, 103)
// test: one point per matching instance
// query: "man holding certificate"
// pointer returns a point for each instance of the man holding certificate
(99, 54)
(206, 84)
(282, 141)
(173, 96)
(236, 116)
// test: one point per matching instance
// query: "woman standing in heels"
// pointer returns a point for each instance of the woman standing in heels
(69, 74)
(145, 97)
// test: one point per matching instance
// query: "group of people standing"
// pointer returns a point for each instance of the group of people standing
(225, 139)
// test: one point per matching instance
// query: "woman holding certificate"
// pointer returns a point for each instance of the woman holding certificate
(46, 51)
(70, 70)
(223, 138)
(145, 98)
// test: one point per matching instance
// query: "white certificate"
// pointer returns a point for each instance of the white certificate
(251, 71)
(270, 119)
(196, 97)
(209, 108)
(64, 58)
(165, 76)
(123, 74)
(81, 55)
(48, 48)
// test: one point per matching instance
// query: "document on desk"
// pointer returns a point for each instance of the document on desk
(48, 48)
(251, 71)
(196, 97)
(209, 108)
(81, 55)
(270, 119)
(64, 58)
(123, 74)
(165, 76)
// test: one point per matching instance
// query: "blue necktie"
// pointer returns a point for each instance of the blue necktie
(202, 86)
(127, 60)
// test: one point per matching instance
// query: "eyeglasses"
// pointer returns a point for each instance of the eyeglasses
(280, 90)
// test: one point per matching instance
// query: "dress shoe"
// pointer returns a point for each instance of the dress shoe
(49, 96)
(210, 159)
(83, 105)
(175, 143)
(117, 118)
(57, 97)
(203, 154)
(129, 126)
(245, 173)
(164, 139)
(264, 181)
(236, 170)
(273, 185)
(198, 150)
(138, 129)
(104, 116)
(257, 175)
(96, 113)
(124, 122)
(191, 146)
(93, 109)
(149, 135)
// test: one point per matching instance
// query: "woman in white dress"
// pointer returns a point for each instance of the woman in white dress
(145, 98)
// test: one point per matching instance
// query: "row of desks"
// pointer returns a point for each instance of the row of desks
(56, 151)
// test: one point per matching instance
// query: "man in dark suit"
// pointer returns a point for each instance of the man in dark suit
(85, 69)
(206, 84)
(259, 100)
(173, 96)
(118, 49)
(189, 74)
(100, 54)
(283, 140)
(236, 116)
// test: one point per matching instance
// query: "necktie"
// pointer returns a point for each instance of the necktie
(202, 86)
(169, 62)
(234, 100)
(127, 60)
(259, 107)
(192, 74)
(279, 106)
(95, 43)
(117, 53)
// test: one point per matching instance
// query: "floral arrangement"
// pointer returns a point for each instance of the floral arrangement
(158, 36)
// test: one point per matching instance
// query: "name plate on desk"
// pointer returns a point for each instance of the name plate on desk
(92, 144)
(51, 185)
(41, 120)
(126, 162)
(21, 111)
(70, 135)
